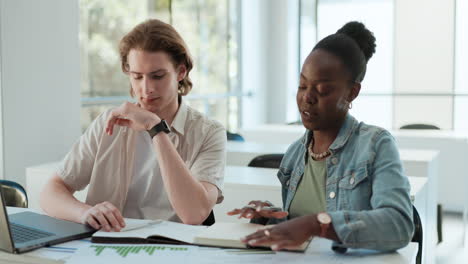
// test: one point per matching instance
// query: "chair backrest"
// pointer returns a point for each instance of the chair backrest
(14, 194)
(210, 220)
(234, 137)
(418, 234)
(420, 126)
(298, 122)
(267, 161)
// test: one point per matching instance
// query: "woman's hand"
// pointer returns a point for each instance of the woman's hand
(104, 216)
(133, 116)
(286, 235)
(257, 209)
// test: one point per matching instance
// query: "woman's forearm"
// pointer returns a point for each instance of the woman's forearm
(57, 200)
(191, 199)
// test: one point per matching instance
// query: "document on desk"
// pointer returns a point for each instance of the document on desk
(131, 224)
(131, 253)
(157, 231)
(60, 252)
(218, 235)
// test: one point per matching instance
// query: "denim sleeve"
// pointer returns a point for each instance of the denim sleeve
(389, 224)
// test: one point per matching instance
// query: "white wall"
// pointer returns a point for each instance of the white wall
(253, 68)
(424, 45)
(423, 55)
(40, 85)
(269, 44)
(283, 60)
(424, 59)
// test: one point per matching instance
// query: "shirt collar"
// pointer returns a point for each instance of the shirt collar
(178, 124)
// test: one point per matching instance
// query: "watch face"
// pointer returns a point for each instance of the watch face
(165, 126)
(324, 218)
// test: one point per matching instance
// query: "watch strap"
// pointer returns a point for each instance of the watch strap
(161, 127)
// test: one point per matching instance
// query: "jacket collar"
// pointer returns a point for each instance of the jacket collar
(349, 125)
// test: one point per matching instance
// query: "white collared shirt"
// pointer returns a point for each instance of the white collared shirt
(123, 168)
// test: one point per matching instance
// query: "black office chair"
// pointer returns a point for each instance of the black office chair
(272, 161)
(298, 122)
(439, 206)
(420, 126)
(234, 137)
(14, 194)
(210, 220)
(418, 234)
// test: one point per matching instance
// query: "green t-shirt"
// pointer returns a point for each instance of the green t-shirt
(310, 193)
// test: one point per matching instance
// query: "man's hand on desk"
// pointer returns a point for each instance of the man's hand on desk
(104, 216)
(257, 209)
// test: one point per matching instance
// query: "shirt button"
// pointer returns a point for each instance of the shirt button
(351, 181)
(334, 160)
(332, 195)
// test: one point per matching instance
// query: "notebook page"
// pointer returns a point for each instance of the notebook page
(177, 231)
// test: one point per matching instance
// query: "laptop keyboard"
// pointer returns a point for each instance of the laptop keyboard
(23, 233)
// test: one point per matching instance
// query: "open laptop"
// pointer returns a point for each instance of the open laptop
(26, 231)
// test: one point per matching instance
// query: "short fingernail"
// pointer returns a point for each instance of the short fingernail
(274, 247)
(251, 242)
(249, 215)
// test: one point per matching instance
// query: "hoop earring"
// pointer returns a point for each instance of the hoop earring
(181, 90)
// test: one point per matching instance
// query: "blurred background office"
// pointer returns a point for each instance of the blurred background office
(59, 66)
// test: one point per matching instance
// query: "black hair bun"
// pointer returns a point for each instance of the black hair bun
(363, 37)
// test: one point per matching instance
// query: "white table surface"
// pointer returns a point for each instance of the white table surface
(318, 252)
(415, 161)
(263, 178)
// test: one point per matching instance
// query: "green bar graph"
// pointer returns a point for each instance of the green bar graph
(123, 251)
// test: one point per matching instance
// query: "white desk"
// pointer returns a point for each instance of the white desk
(244, 184)
(421, 163)
(415, 162)
(36, 178)
(318, 252)
(453, 147)
(273, 133)
(452, 168)
(241, 153)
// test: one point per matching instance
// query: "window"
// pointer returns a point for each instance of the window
(331, 15)
(405, 49)
(461, 66)
(209, 28)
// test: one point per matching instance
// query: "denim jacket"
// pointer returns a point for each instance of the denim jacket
(367, 194)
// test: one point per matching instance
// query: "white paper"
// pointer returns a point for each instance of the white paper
(177, 231)
(62, 251)
(131, 223)
(132, 253)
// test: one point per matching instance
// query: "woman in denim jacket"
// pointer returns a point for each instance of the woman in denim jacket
(343, 180)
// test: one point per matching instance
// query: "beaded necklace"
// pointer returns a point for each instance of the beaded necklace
(318, 156)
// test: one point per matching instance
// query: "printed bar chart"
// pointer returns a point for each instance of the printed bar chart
(123, 251)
